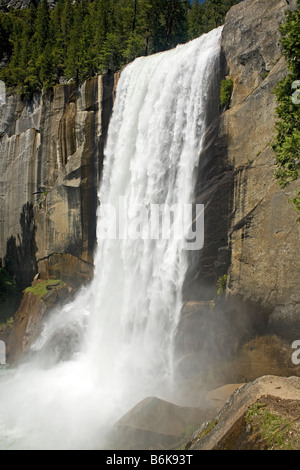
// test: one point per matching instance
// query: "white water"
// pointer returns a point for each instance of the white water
(127, 316)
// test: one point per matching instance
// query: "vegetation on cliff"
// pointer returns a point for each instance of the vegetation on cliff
(41, 288)
(287, 144)
(76, 40)
(272, 430)
(226, 92)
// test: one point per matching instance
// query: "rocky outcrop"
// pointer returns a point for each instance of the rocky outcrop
(155, 424)
(50, 164)
(37, 302)
(262, 415)
(251, 232)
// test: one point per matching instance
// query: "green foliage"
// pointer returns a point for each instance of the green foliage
(41, 288)
(8, 324)
(208, 15)
(135, 47)
(226, 92)
(287, 141)
(5, 28)
(77, 40)
(276, 430)
(207, 429)
(221, 284)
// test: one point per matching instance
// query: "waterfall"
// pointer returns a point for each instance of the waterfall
(127, 316)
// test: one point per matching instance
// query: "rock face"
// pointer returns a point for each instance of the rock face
(264, 233)
(28, 320)
(155, 424)
(251, 232)
(50, 163)
(51, 156)
(262, 415)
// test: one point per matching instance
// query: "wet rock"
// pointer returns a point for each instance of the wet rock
(35, 307)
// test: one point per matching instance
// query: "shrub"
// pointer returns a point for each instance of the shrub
(226, 92)
(221, 284)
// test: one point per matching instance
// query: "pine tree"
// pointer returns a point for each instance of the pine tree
(42, 26)
(101, 22)
(196, 16)
(82, 38)
(144, 14)
(78, 61)
(5, 31)
(59, 46)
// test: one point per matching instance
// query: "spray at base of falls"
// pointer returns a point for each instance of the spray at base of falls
(128, 314)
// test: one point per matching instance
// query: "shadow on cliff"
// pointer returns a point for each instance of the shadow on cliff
(212, 327)
(214, 188)
(222, 339)
(20, 259)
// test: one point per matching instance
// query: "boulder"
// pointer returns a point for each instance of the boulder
(36, 304)
(155, 424)
(261, 415)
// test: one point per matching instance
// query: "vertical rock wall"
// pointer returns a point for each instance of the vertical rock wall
(264, 234)
(251, 232)
(51, 153)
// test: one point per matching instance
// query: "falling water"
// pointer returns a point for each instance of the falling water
(126, 318)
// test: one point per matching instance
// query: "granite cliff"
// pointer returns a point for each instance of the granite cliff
(51, 157)
(251, 230)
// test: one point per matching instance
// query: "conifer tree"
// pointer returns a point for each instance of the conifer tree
(42, 26)
(195, 18)
(59, 45)
(79, 39)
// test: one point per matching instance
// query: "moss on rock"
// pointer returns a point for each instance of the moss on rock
(41, 288)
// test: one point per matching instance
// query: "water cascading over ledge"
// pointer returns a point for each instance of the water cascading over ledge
(123, 323)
